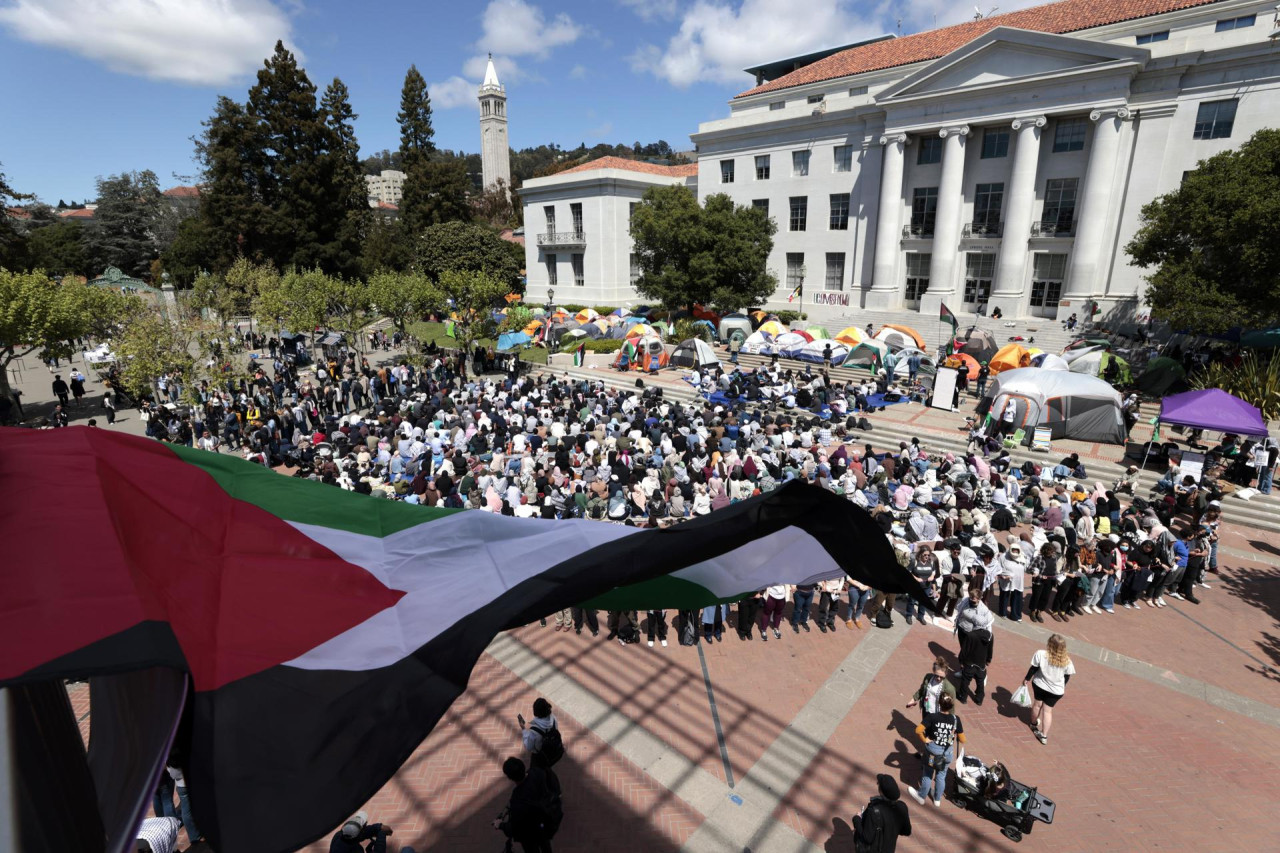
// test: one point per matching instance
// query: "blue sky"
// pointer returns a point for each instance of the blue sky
(96, 87)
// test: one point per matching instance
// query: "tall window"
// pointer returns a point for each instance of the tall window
(761, 204)
(579, 275)
(1068, 134)
(1148, 38)
(839, 212)
(575, 210)
(726, 171)
(550, 212)
(1235, 23)
(995, 142)
(795, 271)
(799, 164)
(843, 158)
(799, 212)
(924, 209)
(835, 271)
(1214, 119)
(635, 268)
(552, 277)
(988, 199)
(762, 167)
(979, 270)
(1046, 281)
(1059, 205)
(917, 275)
(930, 150)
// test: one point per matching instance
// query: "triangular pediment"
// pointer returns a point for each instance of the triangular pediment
(1005, 54)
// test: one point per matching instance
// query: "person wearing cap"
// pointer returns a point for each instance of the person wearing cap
(884, 820)
(350, 837)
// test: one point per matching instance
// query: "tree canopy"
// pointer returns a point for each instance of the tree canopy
(123, 230)
(1214, 242)
(471, 296)
(465, 247)
(710, 255)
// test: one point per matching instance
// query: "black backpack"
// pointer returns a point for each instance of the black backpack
(552, 749)
(884, 619)
(864, 424)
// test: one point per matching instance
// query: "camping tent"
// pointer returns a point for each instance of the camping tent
(586, 315)
(1262, 338)
(1049, 361)
(758, 342)
(813, 350)
(868, 352)
(1094, 363)
(816, 332)
(511, 340)
(900, 337)
(730, 322)
(965, 361)
(1162, 373)
(928, 365)
(851, 335)
(640, 351)
(1072, 405)
(621, 312)
(1085, 343)
(771, 327)
(639, 330)
(693, 353)
(1009, 357)
(1213, 409)
(980, 344)
(789, 341)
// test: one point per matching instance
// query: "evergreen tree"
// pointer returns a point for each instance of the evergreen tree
(434, 192)
(347, 219)
(415, 120)
(11, 242)
(123, 232)
(233, 192)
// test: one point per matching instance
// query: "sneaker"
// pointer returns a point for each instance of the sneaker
(1152, 603)
(777, 634)
(651, 644)
(1192, 599)
(1127, 606)
(822, 627)
(763, 636)
(805, 626)
(937, 804)
(908, 618)
(916, 794)
(1042, 737)
(1204, 585)
(1177, 595)
(795, 629)
(664, 644)
(1160, 602)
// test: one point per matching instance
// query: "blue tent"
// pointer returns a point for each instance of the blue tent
(511, 340)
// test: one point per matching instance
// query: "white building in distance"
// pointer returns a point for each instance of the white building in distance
(1000, 162)
(577, 229)
(495, 151)
(385, 188)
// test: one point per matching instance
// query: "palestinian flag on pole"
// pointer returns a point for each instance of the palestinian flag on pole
(945, 316)
(325, 632)
(580, 355)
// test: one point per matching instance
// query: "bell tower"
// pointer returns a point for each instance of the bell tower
(495, 152)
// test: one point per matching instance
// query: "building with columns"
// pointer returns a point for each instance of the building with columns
(495, 153)
(1002, 162)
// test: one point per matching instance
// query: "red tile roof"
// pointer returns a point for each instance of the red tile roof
(183, 192)
(1065, 17)
(686, 171)
(17, 213)
(79, 213)
(385, 205)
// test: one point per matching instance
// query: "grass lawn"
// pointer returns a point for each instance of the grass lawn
(429, 332)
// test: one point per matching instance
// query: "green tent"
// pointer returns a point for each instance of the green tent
(1262, 338)
(818, 333)
(1162, 373)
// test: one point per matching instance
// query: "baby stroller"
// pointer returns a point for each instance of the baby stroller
(1015, 809)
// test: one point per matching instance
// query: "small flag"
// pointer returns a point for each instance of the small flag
(580, 355)
(795, 294)
(945, 316)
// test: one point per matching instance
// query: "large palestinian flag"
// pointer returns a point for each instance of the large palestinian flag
(325, 633)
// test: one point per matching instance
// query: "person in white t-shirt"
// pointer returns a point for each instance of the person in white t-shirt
(1051, 669)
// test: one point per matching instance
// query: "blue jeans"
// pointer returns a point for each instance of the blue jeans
(1264, 482)
(803, 602)
(164, 797)
(935, 780)
(1109, 594)
(858, 599)
(916, 606)
(184, 812)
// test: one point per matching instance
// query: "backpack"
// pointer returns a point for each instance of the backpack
(872, 826)
(552, 749)
(864, 424)
(688, 629)
(884, 619)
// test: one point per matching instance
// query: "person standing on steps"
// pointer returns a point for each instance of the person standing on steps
(1051, 669)
(984, 373)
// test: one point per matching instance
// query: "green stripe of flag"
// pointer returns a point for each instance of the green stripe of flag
(307, 501)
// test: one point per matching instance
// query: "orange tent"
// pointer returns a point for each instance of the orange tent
(1009, 357)
(852, 336)
(964, 361)
(909, 332)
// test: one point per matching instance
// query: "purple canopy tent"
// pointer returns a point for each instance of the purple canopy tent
(1213, 409)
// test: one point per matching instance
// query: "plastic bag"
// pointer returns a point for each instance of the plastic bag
(1022, 697)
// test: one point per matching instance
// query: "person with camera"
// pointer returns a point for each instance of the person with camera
(541, 736)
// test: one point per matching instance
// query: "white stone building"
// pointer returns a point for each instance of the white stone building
(495, 153)
(385, 188)
(577, 229)
(1003, 161)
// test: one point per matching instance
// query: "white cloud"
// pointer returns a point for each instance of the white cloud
(650, 10)
(578, 72)
(454, 92)
(202, 42)
(719, 38)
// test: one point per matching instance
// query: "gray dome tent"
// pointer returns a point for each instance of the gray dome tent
(1072, 405)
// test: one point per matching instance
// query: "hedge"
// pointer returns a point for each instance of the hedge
(789, 317)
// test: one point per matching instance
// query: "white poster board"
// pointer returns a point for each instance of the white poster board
(944, 388)
(1192, 465)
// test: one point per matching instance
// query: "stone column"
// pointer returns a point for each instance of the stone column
(1007, 290)
(1087, 255)
(946, 228)
(884, 280)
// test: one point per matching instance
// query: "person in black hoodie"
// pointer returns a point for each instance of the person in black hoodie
(883, 821)
(534, 812)
(976, 648)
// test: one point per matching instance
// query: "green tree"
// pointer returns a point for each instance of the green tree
(1215, 242)
(11, 248)
(149, 345)
(495, 206)
(386, 247)
(463, 246)
(58, 249)
(414, 118)
(348, 204)
(37, 314)
(195, 248)
(233, 205)
(402, 297)
(711, 255)
(123, 231)
(434, 192)
(470, 297)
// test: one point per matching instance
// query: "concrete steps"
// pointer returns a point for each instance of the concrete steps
(1262, 513)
